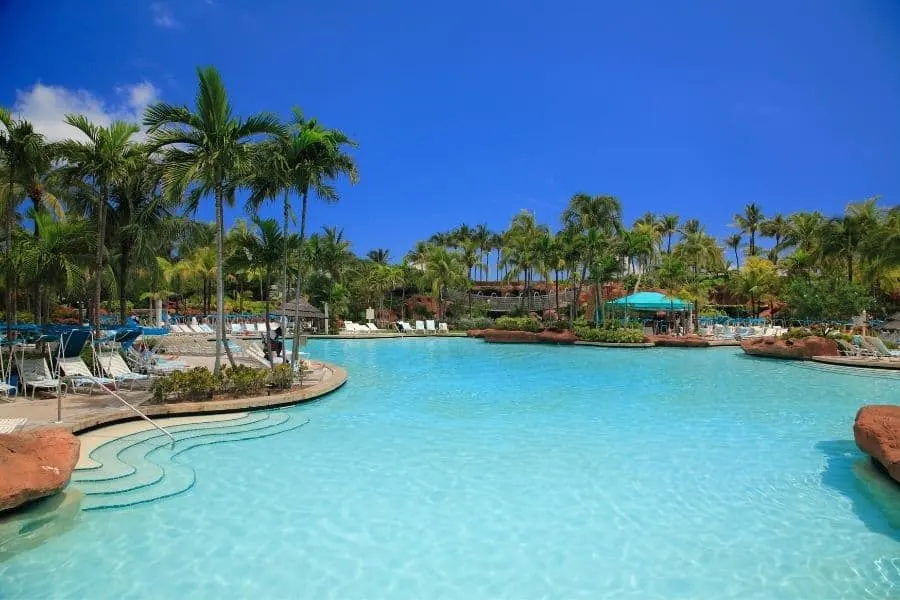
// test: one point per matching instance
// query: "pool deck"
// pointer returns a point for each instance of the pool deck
(863, 362)
(84, 413)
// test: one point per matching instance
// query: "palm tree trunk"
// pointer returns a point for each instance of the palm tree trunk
(295, 349)
(284, 264)
(123, 269)
(220, 279)
(10, 270)
(556, 284)
(101, 239)
(268, 343)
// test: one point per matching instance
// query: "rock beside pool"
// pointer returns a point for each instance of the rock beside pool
(502, 336)
(557, 337)
(795, 348)
(685, 341)
(877, 433)
(475, 333)
(35, 464)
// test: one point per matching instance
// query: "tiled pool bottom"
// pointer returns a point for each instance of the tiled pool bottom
(457, 469)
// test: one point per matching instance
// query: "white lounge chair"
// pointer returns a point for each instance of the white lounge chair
(420, 326)
(36, 375)
(115, 366)
(442, 327)
(76, 373)
(429, 326)
(371, 327)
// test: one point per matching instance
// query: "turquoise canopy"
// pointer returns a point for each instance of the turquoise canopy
(652, 301)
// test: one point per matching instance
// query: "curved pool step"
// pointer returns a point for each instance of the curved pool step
(155, 472)
(145, 470)
(107, 455)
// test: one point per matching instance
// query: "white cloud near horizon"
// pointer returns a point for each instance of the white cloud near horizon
(46, 106)
(162, 16)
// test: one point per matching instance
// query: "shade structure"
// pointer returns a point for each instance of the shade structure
(651, 301)
(302, 309)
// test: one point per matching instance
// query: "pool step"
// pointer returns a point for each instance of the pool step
(144, 467)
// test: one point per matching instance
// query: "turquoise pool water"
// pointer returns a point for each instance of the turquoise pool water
(457, 469)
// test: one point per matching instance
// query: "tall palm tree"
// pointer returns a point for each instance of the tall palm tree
(143, 220)
(103, 160)
(597, 219)
(443, 269)
(521, 247)
(207, 151)
(842, 236)
(313, 158)
(25, 158)
(59, 255)
(734, 242)
(749, 223)
(668, 226)
(482, 235)
(777, 228)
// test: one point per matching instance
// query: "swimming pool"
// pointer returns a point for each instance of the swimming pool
(450, 468)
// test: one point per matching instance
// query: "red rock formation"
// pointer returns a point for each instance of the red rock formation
(501, 336)
(35, 464)
(796, 348)
(687, 341)
(557, 337)
(877, 433)
(475, 333)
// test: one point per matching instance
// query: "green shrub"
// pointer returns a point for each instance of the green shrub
(186, 386)
(242, 380)
(282, 377)
(558, 325)
(467, 323)
(625, 335)
(517, 324)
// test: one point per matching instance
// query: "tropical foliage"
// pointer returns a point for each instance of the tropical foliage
(105, 222)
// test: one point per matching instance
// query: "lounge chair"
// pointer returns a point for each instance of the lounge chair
(76, 373)
(442, 327)
(371, 327)
(36, 375)
(235, 328)
(116, 367)
(420, 326)
(429, 326)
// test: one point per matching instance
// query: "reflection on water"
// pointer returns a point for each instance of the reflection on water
(39, 522)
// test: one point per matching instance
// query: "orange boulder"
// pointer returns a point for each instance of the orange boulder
(877, 433)
(502, 336)
(794, 348)
(557, 337)
(35, 464)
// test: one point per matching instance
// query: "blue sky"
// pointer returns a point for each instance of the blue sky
(470, 111)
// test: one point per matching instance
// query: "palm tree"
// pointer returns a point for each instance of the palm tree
(777, 228)
(142, 220)
(205, 151)
(734, 242)
(25, 158)
(316, 157)
(380, 256)
(261, 249)
(597, 219)
(755, 280)
(521, 247)
(842, 236)
(104, 161)
(749, 223)
(59, 255)
(668, 226)
(483, 236)
(443, 269)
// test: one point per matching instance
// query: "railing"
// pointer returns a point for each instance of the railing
(118, 397)
(509, 303)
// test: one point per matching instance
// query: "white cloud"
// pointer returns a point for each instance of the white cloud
(162, 15)
(46, 106)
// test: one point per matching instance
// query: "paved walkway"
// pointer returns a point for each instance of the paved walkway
(81, 413)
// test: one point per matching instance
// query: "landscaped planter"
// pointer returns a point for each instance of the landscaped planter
(687, 341)
(502, 336)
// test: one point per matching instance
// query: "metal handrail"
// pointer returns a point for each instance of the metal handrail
(122, 400)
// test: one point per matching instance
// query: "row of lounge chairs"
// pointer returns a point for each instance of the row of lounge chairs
(867, 347)
(71, 373)
(731, 332)
(422, 327)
